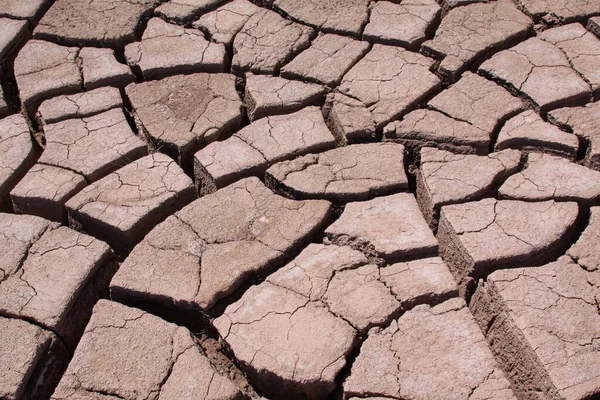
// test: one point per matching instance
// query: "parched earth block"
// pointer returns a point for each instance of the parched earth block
(79, 105)
(479, 237)
(543, 324)
(351, 173)
(390, 81)
(52, 275)
(447, 178)
(389, 227)
(95, 22)
(181, 113)
(291, 333)
(472, 31)
(211, 247)
(33, 360)
(17, 154)
(126, 353)
(428, 353)
(255, 147)
(124, 206)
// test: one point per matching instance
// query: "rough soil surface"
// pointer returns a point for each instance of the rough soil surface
(22, 9)
(390, 227)
(353, 173)
(44, 69)
(17, 154)
(405, 24)
(428, 353)
(225, 22)
(94, 22)
(340, 16)
(267, 42)
(327, 59)
(302, 199)
(331, 293)
(473, 31)
(163, 360)
(541, 71)
(11, 33)
(254, 148)
(195, 245)
(267, 95)
(478, 237)
(51, 275)
(389, 81)
(124, 206)
(79, 105)
(446, 178)
(168, 49)
(24, 360)
(547, 318)
(582, 121)
(182, 112)
(550, 177)
(529, 132)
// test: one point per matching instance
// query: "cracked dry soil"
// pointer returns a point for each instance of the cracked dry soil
(300, 199)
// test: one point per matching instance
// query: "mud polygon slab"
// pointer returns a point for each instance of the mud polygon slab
(583, 122)
(351, 173)
(57, 281)
(349, 119)
(226, 21)
(267, 42)
(544, 322)
(527, 131)
(550, 177)
(593, 25)
(339, 16)
(429, 352)
(470, 32)
(585, 250)
(163, 358)
(264, 142)
(44, 190)
(79, 105)
(17, 153)
(168, 49)
(390, 81)
(582, 49)
(287, 330)
(424, 127)
(478, 237)
(272, 95)
(422, 281)
(185, 10)
(211, 246)
(92, 146)
(99, 67)
(122, 207)
(22, 9)
(447, 178)
(11, 33)
(4, 109)
(44, 69)
(406, 24)
(553, 11)
(182, 112)
(26, 352)
(95, 22)
(477, 101)
(327, 59)
(541, 71)
(389, 227)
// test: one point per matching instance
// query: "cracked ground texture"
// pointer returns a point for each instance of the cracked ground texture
(299, 199)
